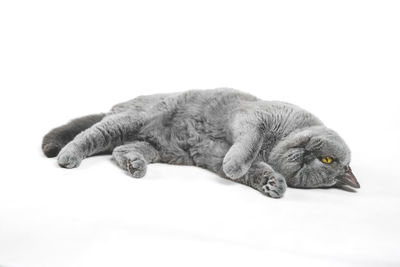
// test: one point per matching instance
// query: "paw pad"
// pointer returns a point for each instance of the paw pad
(275, 187)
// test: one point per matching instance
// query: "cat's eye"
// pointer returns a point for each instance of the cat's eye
(327, 160)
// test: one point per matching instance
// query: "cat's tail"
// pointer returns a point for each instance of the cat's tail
(57, 138)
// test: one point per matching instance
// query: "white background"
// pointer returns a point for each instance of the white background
(64, 59)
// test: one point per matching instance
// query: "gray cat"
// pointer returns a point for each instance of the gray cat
(265, 145)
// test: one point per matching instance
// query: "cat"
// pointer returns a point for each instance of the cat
(267, 145)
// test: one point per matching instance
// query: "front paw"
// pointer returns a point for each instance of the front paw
(275, 186)
(69, 159)
(234, 169)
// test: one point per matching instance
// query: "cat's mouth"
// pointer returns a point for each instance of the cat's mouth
(348, 179)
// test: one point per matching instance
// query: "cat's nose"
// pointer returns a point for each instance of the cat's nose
(348, 178)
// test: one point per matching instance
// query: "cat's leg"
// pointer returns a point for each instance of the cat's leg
(57, 138)
(247, 141)
(135, 156)
(103, 136)
(260, 175)
(265, 179)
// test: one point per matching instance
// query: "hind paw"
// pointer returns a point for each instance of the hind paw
(69, 160)
(136, 167)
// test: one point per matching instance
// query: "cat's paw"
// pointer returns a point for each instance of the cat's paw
(275, 186)
(136, 167)
(234, 168)
(68, 159)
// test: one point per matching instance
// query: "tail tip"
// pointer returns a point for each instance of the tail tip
(51, 150)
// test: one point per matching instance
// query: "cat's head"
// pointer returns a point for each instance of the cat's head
(313, 157)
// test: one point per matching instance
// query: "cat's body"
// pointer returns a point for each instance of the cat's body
(223, 130)
(194, 127)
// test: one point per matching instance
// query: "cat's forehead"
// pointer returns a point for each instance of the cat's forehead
(334, 145)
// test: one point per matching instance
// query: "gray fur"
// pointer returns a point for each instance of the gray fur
(262, 144)
(57, 138)
(135, 156)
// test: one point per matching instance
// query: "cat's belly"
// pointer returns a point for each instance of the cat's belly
(186, 143)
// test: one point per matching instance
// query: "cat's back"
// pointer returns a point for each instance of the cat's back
(192, 101)
(141, 103)
(211, 103)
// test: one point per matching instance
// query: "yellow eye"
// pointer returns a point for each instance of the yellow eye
(327, 160)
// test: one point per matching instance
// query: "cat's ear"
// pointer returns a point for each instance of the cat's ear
(299, 141)
(307, 142)
(314, 143)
